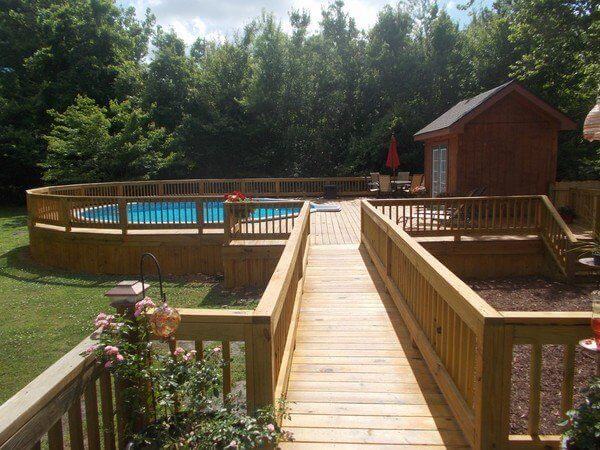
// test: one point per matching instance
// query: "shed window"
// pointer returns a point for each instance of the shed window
(439, 175)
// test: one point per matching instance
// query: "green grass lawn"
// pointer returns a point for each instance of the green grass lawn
(45, 312)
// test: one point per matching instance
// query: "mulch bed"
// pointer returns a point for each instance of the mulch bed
(540, 294)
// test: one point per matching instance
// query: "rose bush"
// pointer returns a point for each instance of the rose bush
(173, 396)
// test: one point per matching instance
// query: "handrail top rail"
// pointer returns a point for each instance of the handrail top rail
(481, 311)
(269, 202)
(559, 220)
(162, 197)
(38, 393)
(270, 300)
(546, 317)
(46, 189)
(396, 201)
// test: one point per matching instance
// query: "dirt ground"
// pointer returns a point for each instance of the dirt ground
(540, 294)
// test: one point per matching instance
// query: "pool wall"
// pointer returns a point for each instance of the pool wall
(118, 254)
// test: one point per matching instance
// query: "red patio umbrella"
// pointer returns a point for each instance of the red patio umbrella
(393, 162)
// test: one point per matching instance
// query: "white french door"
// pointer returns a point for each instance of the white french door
(439, 170)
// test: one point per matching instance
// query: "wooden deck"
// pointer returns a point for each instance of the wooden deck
(329, 228)
(356, 381)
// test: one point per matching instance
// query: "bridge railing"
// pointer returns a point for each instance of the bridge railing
(467, 344)
(480, 216)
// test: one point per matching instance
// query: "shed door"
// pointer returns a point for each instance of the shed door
(439, 169)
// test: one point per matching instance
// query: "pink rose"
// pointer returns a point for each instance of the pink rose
(91, 349)
(120, 357)
(178, 351)
(271, 427)
(108, 364)
(111, 350)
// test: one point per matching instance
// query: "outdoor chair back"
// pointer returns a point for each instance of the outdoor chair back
(416, 181)
(374, 182)
(385, 183)
(403, 176)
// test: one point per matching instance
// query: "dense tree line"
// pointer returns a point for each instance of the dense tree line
(90, 93)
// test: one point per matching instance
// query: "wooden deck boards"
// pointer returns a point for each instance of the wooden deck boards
(356, 381)
(330, 228)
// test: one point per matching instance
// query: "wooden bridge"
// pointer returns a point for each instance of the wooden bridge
(355, 376)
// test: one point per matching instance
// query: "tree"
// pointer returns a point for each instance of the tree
(89, 143)
(51, 51)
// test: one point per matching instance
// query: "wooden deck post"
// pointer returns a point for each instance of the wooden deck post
(122, 205)
(65, 216)
(260, 379)
(492, 387)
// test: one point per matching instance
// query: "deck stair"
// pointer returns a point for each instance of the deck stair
(356, 380)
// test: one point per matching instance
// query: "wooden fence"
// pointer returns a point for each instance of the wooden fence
(268, 334)
(478, 216)
(260, 220)
(126, 213)
(280, 187)
(583, 197)
(466, 343)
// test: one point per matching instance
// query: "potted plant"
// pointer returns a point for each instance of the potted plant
(583, 423)
(173, 399)
(567, 213)
(238, 197)
(590, 248)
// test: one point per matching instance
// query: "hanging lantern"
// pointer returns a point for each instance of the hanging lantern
(165, 319)
(591, 126)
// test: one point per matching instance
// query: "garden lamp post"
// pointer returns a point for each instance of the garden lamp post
(126, 294)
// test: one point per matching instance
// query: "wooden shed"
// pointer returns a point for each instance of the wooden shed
(504, 140)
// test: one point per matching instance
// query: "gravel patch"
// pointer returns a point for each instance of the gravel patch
(540, 294)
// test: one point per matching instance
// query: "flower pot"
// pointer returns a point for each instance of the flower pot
(568, 218)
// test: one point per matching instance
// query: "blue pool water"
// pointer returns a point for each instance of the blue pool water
(174, 212)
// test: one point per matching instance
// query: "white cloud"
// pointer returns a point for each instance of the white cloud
(218, 18)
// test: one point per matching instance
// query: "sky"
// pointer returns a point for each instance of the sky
(221, 18)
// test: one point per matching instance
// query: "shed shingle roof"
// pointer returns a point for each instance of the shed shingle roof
(460, 110)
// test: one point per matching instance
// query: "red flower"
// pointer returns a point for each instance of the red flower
(236, 196)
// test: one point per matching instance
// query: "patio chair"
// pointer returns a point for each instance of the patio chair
(385, 185)
(403, 176)
(374, 182)
(416, 181)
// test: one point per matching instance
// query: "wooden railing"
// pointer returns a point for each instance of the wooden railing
(535, 330)
(558, 238)
(467, 344)
(36, 413)
(455, 330)
(280, 187)
(583, 197)
(268, 333)
(126, 213)
(260, 220)
(479, 216)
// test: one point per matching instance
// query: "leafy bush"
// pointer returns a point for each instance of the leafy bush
(173, 398)
(583, 423)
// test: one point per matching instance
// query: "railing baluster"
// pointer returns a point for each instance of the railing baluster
(75, 426)
(535, 382)
(55, 436)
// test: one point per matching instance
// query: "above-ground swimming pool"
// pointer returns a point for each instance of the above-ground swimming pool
(176, 212)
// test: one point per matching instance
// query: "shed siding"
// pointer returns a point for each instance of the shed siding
(510, 149)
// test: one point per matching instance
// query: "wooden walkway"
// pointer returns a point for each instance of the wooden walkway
(343, 227)
(356, 381)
